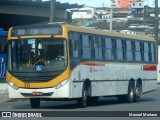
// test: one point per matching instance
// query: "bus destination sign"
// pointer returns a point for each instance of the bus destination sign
(31, 31)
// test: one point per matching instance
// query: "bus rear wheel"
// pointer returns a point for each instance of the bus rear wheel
(138, 92)
(130, 95)
(35, 102)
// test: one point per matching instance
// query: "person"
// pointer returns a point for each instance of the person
(41, 59)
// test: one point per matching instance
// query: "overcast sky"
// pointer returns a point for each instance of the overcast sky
(100, 3)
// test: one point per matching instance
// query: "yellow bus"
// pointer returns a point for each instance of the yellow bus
(64, 62)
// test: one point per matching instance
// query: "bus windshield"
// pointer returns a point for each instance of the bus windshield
(37, 55)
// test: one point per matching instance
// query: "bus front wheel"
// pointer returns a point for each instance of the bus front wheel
(35, 102)
(83, 100)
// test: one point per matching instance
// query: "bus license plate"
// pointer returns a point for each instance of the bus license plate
(37, 93)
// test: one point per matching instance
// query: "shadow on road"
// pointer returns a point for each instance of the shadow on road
(72, 105)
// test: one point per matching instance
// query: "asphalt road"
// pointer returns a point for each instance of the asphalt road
(149, 102)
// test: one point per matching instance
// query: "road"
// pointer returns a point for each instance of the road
(149, 102)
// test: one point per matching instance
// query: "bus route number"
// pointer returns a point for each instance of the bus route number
(27, 85)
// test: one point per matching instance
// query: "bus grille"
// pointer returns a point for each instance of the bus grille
(35, 77)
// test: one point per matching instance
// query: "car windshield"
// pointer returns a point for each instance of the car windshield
(40, 55)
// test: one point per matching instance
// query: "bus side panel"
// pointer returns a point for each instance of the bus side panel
(111, 79)
(148, 77)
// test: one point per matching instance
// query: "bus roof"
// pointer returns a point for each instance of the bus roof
(107, 33)
(93, 31)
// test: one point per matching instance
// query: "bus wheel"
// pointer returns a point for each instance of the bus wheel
(130, 95)
(35, 102)
(138, 92)
(83, 100)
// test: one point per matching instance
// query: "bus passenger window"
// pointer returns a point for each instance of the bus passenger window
(138, 52)
(133, 49)
(142, 50)
(129, 52)
(146, 52)
(86, 47)
(153, 52)
(108, 49)
(119, 50)
(113, 49)
(74, 45)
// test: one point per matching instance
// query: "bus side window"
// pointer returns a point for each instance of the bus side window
(138, 52)
(146, 52)
(153, 52)
(74, 44)
(119, 51)
(114, 46)
(129, 52)
(108, 49)
(142, 50)
(86, 46)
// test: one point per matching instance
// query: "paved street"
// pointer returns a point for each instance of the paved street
(149, 102)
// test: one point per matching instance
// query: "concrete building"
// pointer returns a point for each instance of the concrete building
(137, 7)
(83, 13)
(122, 3)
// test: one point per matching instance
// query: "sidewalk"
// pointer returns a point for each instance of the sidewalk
(4, 97)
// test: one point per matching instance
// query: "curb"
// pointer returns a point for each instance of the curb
(4, 97)
(3, 88)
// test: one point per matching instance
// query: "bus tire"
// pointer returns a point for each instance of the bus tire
(35, 102)
(138, 92)
(83, 100)
(130, 95)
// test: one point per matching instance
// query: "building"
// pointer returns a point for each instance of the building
(137, 7)
(122, 3)
(83, 13)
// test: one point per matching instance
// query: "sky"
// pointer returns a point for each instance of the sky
(100, 3)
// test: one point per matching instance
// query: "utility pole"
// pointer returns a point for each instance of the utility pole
(52, 10)
(111, 15)
(156, 25)
(111, 19)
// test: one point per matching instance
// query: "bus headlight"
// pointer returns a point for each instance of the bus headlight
(12, 85)
(61, 84)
